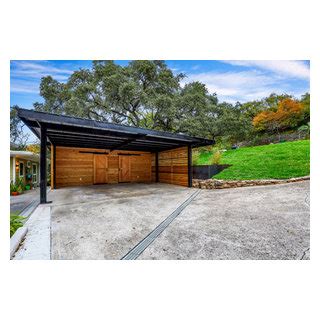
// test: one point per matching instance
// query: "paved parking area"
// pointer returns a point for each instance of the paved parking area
(105, 222)
(265, 222)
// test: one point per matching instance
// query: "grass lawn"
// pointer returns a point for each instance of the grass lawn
(273, 161)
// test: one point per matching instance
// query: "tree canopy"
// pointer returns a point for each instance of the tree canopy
(18, 138)
(143, 93)
(289, 114)
(149, 94)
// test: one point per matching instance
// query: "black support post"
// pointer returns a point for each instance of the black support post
(157, 166)
(43, 164)
(54, 167)
(189, 166)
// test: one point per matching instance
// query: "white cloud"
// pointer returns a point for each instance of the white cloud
(42, 66)
(243, 86)
(22, 89)
(283, 68)
(37, 70)
(259, 80)
(26, 75)
(24, 86)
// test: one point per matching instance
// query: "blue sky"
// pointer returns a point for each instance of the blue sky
(232, 80)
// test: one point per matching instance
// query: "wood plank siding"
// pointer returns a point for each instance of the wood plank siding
(173, 166)
(76, 166)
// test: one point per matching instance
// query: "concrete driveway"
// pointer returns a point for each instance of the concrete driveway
(105, 222)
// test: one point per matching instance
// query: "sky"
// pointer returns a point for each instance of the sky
(231, 80)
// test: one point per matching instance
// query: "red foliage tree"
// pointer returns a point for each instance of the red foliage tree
(289, 114)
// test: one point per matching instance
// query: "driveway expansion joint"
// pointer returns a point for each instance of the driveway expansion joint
(136, 251)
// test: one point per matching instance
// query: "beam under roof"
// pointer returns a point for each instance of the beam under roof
(77, 132)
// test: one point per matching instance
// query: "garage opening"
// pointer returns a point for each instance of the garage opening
(87, 152)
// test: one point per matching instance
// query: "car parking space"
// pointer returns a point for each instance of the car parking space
(107, 221)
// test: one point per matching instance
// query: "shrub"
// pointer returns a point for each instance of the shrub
(216, 158)
(13, 187)
(20, 185)
(20, 189)
(204, 149)
(15, 223)
(304, 129)
(195, 157)
(223, 143)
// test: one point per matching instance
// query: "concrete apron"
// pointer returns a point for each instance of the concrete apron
(106, 222)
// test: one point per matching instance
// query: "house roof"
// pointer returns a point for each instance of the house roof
(27, 155)
(78, 132)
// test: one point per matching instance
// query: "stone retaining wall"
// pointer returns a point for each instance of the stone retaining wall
(222, 184)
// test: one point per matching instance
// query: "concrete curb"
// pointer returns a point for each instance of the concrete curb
(16, 239)
(36, 245)
(30, 208)
(32, 219)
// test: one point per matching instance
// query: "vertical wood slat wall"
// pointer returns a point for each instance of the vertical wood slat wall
(173, 166)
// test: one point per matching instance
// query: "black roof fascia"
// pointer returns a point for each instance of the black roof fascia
(59, 124)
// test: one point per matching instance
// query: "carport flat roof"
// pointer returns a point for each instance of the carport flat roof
(79, 132)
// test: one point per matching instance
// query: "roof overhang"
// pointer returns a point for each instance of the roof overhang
(25, 155)
(78, 132)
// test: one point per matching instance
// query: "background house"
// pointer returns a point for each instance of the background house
(23, 163)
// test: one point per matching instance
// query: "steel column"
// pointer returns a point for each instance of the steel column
(54, 167)
(43, 164)
(189, 166)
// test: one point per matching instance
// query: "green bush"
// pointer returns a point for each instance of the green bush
(216, 157)
(304, 129)
(13, 187)
(195, 158)
(20, 189)
(15, 223)
(20, 182)
(20, 185)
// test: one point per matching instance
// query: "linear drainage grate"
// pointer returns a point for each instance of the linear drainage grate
(135, 252)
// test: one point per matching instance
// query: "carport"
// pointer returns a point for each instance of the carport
(87, 152)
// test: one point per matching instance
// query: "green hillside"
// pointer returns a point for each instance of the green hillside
(273, 161)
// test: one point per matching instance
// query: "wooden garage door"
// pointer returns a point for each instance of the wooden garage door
(85, 166)
(124, 169)
(100, 168)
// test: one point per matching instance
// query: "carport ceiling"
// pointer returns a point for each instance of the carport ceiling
(78, 132)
